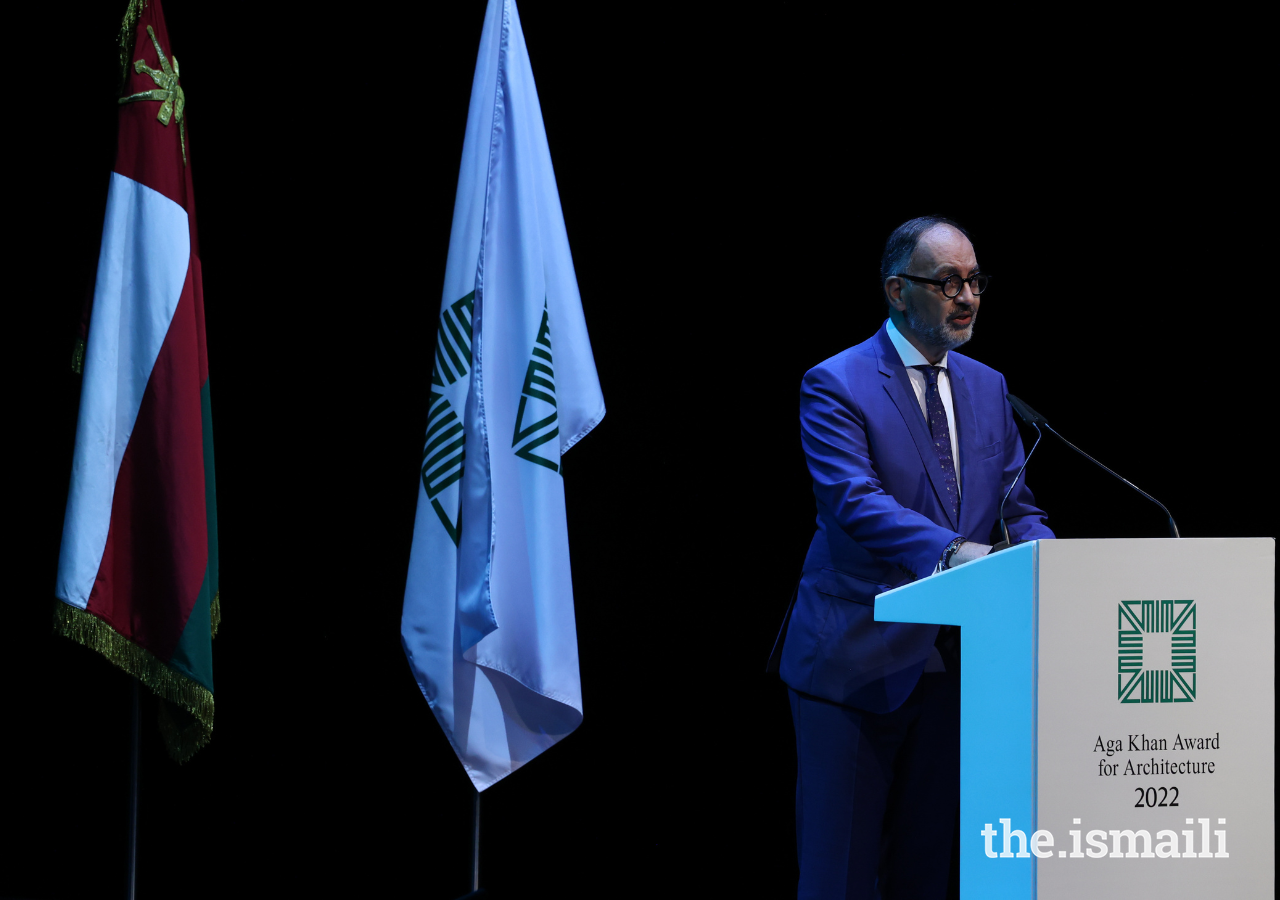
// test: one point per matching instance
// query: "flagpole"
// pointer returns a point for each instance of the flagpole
(476, 891)
(134, 740)
(475, 841)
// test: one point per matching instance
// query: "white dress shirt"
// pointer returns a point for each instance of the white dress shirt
(913, 357)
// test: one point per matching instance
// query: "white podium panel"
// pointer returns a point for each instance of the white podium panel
(1156, 718)
(1117, 717)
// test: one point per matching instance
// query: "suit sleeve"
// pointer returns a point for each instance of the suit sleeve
(833, 432)
(1025, 520)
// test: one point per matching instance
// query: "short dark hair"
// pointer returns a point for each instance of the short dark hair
(902, 243)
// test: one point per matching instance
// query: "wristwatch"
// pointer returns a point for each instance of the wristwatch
(950, 551)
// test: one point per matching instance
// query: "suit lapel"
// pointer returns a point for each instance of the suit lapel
(898, 386)
(967, 423)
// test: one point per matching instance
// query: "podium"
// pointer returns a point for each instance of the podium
(1117, 724)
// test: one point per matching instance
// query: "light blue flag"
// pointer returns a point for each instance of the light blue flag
(488, 620)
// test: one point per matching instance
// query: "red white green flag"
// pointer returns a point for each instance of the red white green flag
(138, 570)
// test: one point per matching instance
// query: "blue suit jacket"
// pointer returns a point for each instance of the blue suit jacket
(881, 520)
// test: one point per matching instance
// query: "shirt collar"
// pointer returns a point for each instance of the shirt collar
(907, 352)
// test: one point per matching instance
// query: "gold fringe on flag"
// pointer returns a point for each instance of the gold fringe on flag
(182, 734)
(77, 357)
(215, 614)
(189, 696)
(128, 35)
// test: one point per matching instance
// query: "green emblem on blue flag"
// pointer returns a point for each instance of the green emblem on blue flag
(536, 414)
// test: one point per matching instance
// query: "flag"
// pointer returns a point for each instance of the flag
(488, 624)
(138, 568)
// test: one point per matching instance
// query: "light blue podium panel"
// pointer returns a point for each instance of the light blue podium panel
(994, 600)
(1117, 696)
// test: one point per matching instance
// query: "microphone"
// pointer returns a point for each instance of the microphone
(1034, 419)
(1004, 529)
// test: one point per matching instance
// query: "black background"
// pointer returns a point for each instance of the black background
(727, 183)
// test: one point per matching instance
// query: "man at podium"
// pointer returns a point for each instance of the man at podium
(911, 448)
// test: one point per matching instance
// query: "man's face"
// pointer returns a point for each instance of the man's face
(939, 321)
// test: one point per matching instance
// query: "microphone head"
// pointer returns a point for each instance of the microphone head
(1026, 413)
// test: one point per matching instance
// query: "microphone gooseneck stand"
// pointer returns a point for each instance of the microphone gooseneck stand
(1004, 529)
(1035, 420)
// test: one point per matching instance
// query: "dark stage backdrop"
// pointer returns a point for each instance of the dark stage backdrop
(727, 188)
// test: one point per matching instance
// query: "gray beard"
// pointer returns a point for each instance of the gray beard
(943, 337)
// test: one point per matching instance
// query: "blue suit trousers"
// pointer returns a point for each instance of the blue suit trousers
(878, 794)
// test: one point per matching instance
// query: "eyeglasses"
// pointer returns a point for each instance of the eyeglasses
(952, 285)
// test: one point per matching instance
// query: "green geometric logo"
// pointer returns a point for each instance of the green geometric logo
(443, 458)
(453, 341)
(444, 453)
(1157, 656)
(536, 416)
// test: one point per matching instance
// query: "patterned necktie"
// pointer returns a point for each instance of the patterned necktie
(941, 436)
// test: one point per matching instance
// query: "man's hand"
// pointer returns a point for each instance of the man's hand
(968, 552)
